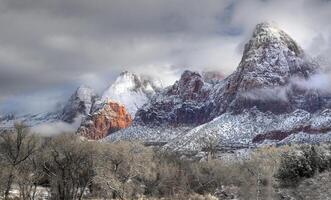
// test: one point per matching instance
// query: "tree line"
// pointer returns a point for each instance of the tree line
(69, 167)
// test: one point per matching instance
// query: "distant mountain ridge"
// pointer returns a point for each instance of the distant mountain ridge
(258, 102)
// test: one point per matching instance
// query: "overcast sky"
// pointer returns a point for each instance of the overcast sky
(49, 47)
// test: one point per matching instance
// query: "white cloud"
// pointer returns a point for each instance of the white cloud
(57, 127)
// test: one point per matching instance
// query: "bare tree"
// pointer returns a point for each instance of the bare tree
(15, 148)
(69, 166)
(120, 167)
(29, 175)
(210, 144)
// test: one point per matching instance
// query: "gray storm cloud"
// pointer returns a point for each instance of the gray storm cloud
(58, 45)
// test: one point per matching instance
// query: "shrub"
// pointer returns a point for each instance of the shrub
(302, 162)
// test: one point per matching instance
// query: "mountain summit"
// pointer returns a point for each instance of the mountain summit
(271, 59)
(267, 34)
(132, 91)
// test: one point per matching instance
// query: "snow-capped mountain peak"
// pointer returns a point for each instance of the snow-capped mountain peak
(85, 94)
(131, 90)
(269, 34)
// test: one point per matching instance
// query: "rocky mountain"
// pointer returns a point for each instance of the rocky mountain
(106, 118)
(118, 105)
(261, 101)
(271, 59)
(99, 116)
(185, 102)
(131, 90)
(80, 103)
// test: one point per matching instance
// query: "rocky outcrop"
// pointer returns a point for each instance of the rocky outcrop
(107, 118)
(80, 103)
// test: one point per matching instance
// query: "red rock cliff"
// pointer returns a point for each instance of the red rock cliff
(109, 118)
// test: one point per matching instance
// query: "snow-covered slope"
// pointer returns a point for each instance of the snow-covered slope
(30, 120)
(132, 91)
(149, 134)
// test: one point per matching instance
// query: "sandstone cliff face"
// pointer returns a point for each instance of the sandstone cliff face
(106, 119)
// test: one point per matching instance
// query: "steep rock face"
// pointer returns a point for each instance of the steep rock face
(132, 91)
(80, 103)
(185, 102)
(108, 118)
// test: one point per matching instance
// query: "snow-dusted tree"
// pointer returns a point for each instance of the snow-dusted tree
(210, 144)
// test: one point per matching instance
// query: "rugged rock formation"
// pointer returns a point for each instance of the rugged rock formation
(264, 79)
(185, 102)
(271, 59)
(132, 91)
(106, 119)
(80, 103)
